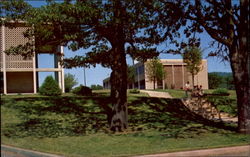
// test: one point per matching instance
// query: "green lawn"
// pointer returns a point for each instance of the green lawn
(178, 93)
(77, 126)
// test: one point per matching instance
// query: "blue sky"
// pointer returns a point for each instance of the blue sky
(97, 74)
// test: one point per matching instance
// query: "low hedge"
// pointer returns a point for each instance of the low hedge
(82, 90)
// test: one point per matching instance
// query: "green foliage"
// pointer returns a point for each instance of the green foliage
(82, 90)
(161, 124)
(131, 74)
(134, 91)
(229, 81)
(214, 80)
(193, 57)
(76, 116)
(50, 87)
(96, 18)
(155, 70)
(222, 102)
(96, 87)
(220, 91)
(69, 82)
(220, 80)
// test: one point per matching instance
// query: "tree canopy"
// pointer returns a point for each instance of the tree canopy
(110, 30)
(227, 22)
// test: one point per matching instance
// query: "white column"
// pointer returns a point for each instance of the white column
(34, 73)
(173, 74)
(4, 60)
(62, 72)
(34, 64)
(183, 77)
(163, 83)
(59, 73)
(138, 78)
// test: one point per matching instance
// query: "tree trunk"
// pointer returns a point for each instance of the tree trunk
(240, 67)
(240, 63)
(193, 80)
(119, 117)
(154, 83)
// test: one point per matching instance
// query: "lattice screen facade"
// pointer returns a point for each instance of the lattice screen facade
(1, 50)
(19, 74)
(14, 37)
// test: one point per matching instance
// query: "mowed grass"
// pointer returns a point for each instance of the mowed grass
(77, 126)
(179, 93)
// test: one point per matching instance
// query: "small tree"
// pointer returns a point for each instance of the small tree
(193, 57)
(154, 70)
(69, 81)
(50, 87)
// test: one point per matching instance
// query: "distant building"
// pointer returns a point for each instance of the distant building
(19, 75)
(176, 76)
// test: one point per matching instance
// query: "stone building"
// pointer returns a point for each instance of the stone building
(176, 76)
(19, 74)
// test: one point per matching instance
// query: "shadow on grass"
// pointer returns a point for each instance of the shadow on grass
(172, 116)
(73, 116)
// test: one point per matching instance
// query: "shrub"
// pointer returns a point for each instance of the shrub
(222, 102)
(82, 90)
(134, 91)
(222, 91)
(50, 87)
(96, 87)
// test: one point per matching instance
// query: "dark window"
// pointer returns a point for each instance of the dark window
(140, 69)
(1, 82)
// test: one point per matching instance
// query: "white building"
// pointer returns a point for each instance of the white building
(19, 75)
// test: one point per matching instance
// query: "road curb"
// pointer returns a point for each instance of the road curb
(244, 151)
(24, 152)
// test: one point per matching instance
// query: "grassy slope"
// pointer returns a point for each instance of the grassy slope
(76, 126)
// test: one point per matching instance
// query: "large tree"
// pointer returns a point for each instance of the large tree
(109, 29)
(192, 56)
(227, 22)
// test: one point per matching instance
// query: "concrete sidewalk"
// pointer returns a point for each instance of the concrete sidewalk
(238, 151)
(157, 94)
